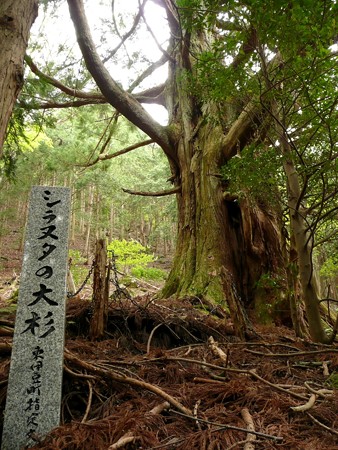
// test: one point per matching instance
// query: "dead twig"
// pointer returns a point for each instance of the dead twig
(151, 336)
(243, 371)
(289, 355)
(326, 372)
(275, 386)
(229, 427)
(197, 404)
(331, 430)
(160, 408)
(218, 352)
(78, 375)
(320, 392)
(207, 380)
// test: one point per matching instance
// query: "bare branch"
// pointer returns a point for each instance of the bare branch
(326, 238)
(116, 96)
(149, 70)
(152, 95)
(175, 190)
(57, 105)
(54, 82)
(126, 35)
(154, 37)
(103, 157)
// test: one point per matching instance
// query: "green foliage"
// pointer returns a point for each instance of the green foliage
(329, 268)
(130, 254)
(255, 172)
(149, 273)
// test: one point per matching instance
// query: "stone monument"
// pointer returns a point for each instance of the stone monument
(35, 378)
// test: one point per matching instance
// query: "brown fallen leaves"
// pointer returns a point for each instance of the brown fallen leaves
(171, 376)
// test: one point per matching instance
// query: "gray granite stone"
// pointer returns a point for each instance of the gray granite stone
(35, 379)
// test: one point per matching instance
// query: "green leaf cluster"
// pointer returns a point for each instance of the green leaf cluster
(256, 172)
(130, 254)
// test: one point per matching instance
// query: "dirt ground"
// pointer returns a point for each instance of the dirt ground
(172, 375)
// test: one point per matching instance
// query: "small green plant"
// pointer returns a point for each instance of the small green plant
(149, 273)
(131, 257)
(333, 380)
(268, 282)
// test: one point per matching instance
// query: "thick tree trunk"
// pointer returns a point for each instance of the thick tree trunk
(16, 19)
(224, 246)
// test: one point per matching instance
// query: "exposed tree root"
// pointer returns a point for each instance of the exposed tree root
(158, 381)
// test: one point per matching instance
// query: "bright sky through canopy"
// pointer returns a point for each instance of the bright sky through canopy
(138, 52)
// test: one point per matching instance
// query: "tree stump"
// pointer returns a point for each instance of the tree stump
(100, 292)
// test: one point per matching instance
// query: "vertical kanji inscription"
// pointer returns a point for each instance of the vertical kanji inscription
(35, 380)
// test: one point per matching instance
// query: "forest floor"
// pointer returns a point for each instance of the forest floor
(172, 375)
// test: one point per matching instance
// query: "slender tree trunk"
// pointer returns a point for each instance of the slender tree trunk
(303, 244)
(89, 221)
(112, 222)
(82, 212)
(73, 227)
(16, 19)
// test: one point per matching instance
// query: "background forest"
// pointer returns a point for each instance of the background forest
(58, 156)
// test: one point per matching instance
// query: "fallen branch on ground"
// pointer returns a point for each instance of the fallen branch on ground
(70, 357)
(331, 430)
(218, 352)
(289, 355)
(243, 371)
(230, 427)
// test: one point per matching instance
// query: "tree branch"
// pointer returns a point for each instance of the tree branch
(175, 190)
(248, 47)
(241, 130)
(152, 95)
(116, 96)
(165, 53)
(54, 82)
(120, 152)
(57, 105)
(149, 70)
(125, 36)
